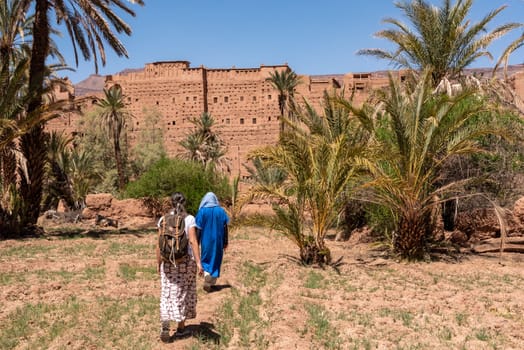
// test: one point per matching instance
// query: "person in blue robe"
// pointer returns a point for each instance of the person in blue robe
(212, 222)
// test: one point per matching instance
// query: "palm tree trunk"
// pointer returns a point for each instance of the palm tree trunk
(282, 107)
(449, 209)
(119, 163)
(412, 232)
(8, 170)
(33, 148)
(32, 144)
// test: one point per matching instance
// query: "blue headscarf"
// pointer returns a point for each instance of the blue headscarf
(210, 200)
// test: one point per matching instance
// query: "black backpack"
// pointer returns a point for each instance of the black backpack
(172, 239)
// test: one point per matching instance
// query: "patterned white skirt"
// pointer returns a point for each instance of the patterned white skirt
(178, 297)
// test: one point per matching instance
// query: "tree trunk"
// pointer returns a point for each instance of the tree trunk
(32, 144)
(8, 170)
(119, 163)
(34, 150)
(449, 209)
(281, 107)
(411, 236)
(58, 188)
(311, 254)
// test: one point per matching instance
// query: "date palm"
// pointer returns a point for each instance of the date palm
(419, 131)
(285, 82)
(15, 30)
(82, 175)
(113, 116)
(15, 33)
(204, 145)
(440, 38)
(320, 157)
(57, 184)
(443, 39)
(14, 123)
(90, 24)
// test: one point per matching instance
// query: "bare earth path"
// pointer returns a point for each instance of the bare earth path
(100, 291)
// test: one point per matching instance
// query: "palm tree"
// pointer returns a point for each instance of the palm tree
(71, 174)
(420, 130)
(16, 34)
(57, 185)
(204, 145)
(15, 30)
(265, 177)
(10, 156)
(14, 123)
(320, 157)
(285, 82)
(81, 174)
(113, 116)
(440, 38)
(88, 23)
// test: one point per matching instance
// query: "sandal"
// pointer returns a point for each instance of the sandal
(164, 332)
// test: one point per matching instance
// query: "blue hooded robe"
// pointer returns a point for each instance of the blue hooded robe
(211, 220)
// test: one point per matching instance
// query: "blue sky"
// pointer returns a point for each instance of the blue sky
(312, 36)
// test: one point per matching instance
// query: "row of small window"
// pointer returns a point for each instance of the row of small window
(226, 98)
(215, 99)
(227, 121)
(241, 120)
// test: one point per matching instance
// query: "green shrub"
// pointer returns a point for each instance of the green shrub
(380, 219)
(172, 175)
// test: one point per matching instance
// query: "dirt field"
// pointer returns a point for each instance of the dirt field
(99, 290)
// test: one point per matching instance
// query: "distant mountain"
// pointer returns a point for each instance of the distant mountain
(92, 85)
(95, 83)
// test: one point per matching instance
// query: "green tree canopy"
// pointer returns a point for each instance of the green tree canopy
(172, 175)
(440, 38)
(418, 130)
(321, 157)
(114, 117)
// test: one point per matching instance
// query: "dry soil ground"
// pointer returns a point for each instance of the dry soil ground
(99, 290)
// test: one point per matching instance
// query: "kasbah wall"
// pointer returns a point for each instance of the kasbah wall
(242, 102)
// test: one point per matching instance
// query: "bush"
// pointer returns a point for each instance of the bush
(172, 175)
(380, 219)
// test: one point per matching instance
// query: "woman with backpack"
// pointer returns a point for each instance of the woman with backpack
(177, 263)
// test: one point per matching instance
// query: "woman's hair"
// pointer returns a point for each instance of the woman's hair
(178, 200)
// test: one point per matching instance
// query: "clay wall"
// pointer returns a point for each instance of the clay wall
(242, 102)
(68, 122)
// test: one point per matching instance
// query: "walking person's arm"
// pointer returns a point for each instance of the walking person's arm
(158, 259)
(193, 240)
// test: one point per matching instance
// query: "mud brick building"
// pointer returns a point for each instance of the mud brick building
(242, 102)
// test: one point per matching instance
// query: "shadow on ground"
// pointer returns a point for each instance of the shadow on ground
(99, 233)
(218, 287)
(205, 331)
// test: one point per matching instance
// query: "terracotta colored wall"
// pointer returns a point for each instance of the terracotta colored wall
(241, 101)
